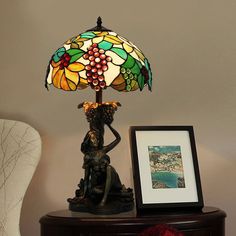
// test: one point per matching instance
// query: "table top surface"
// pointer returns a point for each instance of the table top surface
(67, 214)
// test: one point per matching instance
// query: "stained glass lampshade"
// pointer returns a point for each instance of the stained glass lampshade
(99, 58)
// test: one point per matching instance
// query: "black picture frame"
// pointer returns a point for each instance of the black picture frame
(158, 154)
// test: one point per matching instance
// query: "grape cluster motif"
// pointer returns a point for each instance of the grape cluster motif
(65, 61)
(104, 112)
(97, 66)
(90, 114)
(128, 76)
(108, 113)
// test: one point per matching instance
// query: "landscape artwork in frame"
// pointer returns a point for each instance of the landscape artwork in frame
(165, 167)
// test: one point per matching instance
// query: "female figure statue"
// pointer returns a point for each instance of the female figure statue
(101, 187)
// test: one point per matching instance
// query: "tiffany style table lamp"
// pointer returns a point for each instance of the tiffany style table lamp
(99, 58)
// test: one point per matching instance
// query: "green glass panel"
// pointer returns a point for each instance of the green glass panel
(56, 58)
(150, 84)
(135, 69)
(147, 64)
(128, 88)
(87, 35)
(149, 73)
(122, 70)
(126, 76)
(58, 54)
(76, 57)
(120, 52)
(128, 71)
(105, 45)
(74, 51)
(139, 64)
(141, 82)
(131, 76)
(129, 62)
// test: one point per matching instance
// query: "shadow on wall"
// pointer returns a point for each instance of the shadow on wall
(217, 178)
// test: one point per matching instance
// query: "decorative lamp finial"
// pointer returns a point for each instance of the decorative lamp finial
(99, 26)
(99, 22)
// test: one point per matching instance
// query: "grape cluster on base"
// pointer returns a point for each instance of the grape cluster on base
(104, 112)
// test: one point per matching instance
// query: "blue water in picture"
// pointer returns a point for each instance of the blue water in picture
(168, 178)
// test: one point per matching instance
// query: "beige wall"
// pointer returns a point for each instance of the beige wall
(191, 46)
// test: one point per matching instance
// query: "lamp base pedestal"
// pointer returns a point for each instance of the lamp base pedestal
(116, 202)
(100, 191)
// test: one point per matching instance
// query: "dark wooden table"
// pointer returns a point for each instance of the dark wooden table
(210, 221)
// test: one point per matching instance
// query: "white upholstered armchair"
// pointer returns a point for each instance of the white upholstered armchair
(20, 151)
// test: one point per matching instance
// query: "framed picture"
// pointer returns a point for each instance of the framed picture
(165, 168)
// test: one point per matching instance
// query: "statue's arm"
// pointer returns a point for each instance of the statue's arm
(110, 146)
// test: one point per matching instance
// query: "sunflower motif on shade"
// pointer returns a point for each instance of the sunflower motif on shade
(99, 59)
